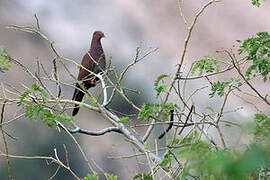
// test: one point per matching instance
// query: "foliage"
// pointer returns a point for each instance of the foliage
(43, 93)
(150, 110)
(93, 100)
(35, 88)
(143, 176)
(208, 64)
(165, 161)
(111, 177)
(23, 96)
(161, 88)
(256, 3)
(123, 119)
(93, 176)
(204, 162)
(36, 111)
(4, 62)
(145, 145)
(262, 127)
(257, 50)
(219, 87)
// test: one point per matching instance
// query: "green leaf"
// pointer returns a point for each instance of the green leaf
(93, 176)
(165, 161)
(256, 3)
(160, 88)
(145, 145)
(174, 141)
(154, 110)
(36, 112)
(123, 119)
(162, 76)
(219, 87)
(142, 176)
(208, 64)
(43, 93)
(248, 162)
(228, 125)
(195, 151)
(257, 50)
(4, 62)
(64, 117)
(112, 177)
(32, 111)
(23, 96)
(210, 108)
(262, 127)
(93, 100)
(147, 111)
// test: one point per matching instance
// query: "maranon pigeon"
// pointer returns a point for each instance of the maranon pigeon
(88, 80)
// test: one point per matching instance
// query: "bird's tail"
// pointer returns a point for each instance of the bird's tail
(78, 96)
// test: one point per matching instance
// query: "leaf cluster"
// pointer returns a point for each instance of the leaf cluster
(37, 111)
(95, 176)
(155, 110)
(219, 87)
(257, 50)
(160, 88)
(256, 3)
(143, 176)
(208, 64)
(262, 127)
(204, 162)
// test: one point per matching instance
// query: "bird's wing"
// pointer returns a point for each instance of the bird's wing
(88, 64)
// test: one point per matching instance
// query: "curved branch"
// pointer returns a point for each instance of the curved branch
(95, 133)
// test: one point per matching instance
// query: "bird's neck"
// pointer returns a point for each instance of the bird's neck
(95, 44)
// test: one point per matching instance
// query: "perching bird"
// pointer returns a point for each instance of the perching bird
(88, 80)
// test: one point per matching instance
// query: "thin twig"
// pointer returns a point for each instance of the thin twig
(182, 129)
(44, 158)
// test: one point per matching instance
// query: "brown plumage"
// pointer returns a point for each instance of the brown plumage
(97, 53)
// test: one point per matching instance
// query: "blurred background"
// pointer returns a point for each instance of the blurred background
(126, 24)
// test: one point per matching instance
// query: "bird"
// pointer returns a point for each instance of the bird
(87, 79)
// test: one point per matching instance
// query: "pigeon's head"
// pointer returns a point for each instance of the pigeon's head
(98, 35)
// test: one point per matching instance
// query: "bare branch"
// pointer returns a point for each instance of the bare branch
(44, 158)
(95, 133)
